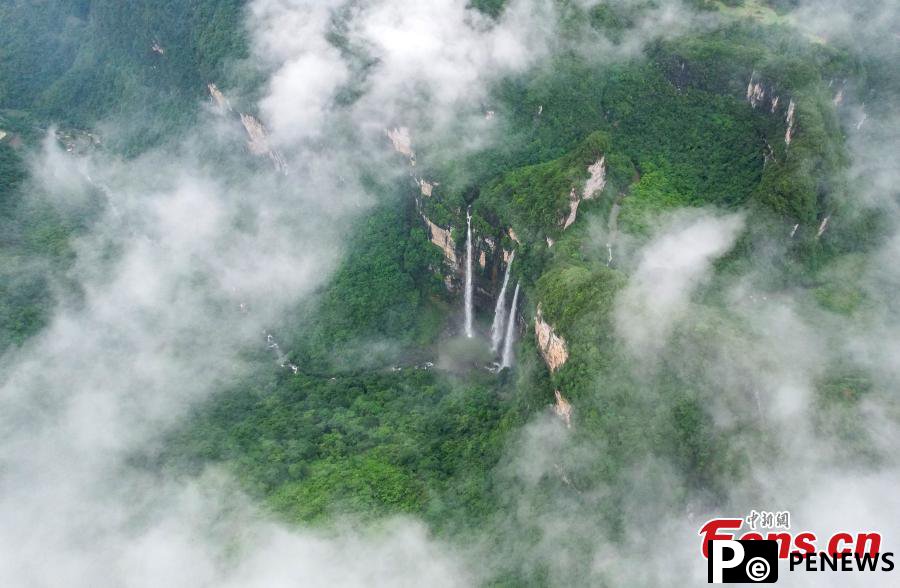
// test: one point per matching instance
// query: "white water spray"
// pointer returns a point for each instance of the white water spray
(510, 332)
(500, 310)
(469, 332)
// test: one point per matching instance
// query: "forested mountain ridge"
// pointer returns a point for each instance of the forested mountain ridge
(693, 248)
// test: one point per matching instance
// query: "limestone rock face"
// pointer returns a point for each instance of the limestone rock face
(402, 142)
(756, 93)
(756, 96)
(441, 237)
(258, 141)
(791, 122)
(592, 186)
(597, 181)
(574, 201)
(219, 98)
(426, 188)
(552, 347)
(563, 409)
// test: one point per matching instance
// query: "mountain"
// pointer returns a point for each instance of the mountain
(241, 244)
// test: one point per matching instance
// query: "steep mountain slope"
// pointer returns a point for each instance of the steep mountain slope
(742, 119)
(697, 262)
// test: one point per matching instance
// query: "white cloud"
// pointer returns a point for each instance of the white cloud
(671, 267)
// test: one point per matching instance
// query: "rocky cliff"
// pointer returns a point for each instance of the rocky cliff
(552, 347)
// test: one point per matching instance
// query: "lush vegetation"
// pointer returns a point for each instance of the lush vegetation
(144, 63)
(370, 426)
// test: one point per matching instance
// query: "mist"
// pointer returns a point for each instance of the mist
(199, 249)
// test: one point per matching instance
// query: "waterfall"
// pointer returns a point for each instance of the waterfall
(500, 310)
(510, 331)
(469, 332)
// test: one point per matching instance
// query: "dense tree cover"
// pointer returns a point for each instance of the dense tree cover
(673, 136)
(383, 442)
(141, 61)
(34, 249)
(383, 301)
(352, 432)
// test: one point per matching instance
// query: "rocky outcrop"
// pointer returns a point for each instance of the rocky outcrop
(756, 96)
(219, 99)
(257, 137)
(574, 201)
(402, 142)
(258, 141)
(563, 409)
(426, 188)
(482, 259)
(552, 347)
(443, 239)
(597, 181)
(513, 236)
(791, 121)
(594, 185)
(756, 93)
(822, 226)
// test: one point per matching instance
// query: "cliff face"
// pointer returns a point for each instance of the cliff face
(594, 185)
(597, 181)
(791, 121)
(258, 141)
(257, 137)
(402, 142)
(219, 98)
(426, 188)
(443, 239)
(552, 347)
(563, 408)
(760, 94)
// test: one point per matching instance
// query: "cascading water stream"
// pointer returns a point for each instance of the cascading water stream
(469, 310)
(510, 332)
(500, 310)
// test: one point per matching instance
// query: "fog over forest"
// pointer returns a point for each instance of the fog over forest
(445, 293)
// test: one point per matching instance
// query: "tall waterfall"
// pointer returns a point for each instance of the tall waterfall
(500, 310)
(510, 332)
(469, 332)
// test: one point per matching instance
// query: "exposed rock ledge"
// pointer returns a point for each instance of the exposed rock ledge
(426, 188)
(441, 237)
(563, 409)
(402, 142)
(552, 346)
(219, 98)
(594, 184)
(258, 141)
